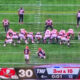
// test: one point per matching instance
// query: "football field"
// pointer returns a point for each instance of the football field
(62, 12)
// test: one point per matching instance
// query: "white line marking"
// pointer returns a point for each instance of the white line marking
(13, 63)
(43, 23)
(67, 14)
(46, 5)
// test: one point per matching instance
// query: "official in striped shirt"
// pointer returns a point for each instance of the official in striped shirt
(21, 15)
(6, 24)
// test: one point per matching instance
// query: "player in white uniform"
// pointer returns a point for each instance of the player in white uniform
(47, 35)
(61, 33)
(9, 37)
(53, 36)
(23, 35)
(38, 37)
(65, 39)
(71, 33)
(30, 36)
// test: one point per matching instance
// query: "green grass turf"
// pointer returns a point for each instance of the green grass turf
(55, 53)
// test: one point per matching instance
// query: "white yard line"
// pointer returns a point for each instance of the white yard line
(46, 5)
(35, 53)
(43, 23)
(13, 63)
(69, 14)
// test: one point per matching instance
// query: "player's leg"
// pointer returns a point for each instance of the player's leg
(5, 43)
(7, 28)
(51, 27)
(68, 43)
(19, 19)
(27, 59)
(46, 27)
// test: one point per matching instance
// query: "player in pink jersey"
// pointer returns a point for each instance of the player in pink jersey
(6, 24)
(71, 33)
(61, 33)
(26, 54)
(23, 35)
(47, 35)
(38, 37)
(78, 18)
(30, 36)
(53, 36)
(21, 15)
(48, 23)
(65, 39)
(9, 38)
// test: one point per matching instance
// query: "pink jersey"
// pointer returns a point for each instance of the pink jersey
(22, 31)
(78, 15)
(54, 31)
(62, 32)
(21, 11)
(70, 31)
(48, 22)
(10, 31)
(5, 22)
(47, 32)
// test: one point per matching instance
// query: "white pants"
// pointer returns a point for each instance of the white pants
(26, 56)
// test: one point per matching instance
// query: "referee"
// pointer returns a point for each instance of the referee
(78, 18)
(21, 15)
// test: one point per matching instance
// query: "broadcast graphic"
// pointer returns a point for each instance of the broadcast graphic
(39, 39)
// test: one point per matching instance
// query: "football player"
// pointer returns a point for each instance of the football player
(48, 23)
(38, 37)
(23, 35)
(65, 39)
(6, 24)
(71, 33)
(21, 15)
(26, 54)
(30, 36)
(41, 53)
(9, 37)
(54, 34)
(78, 18)
(60, 33)
(47, 35)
